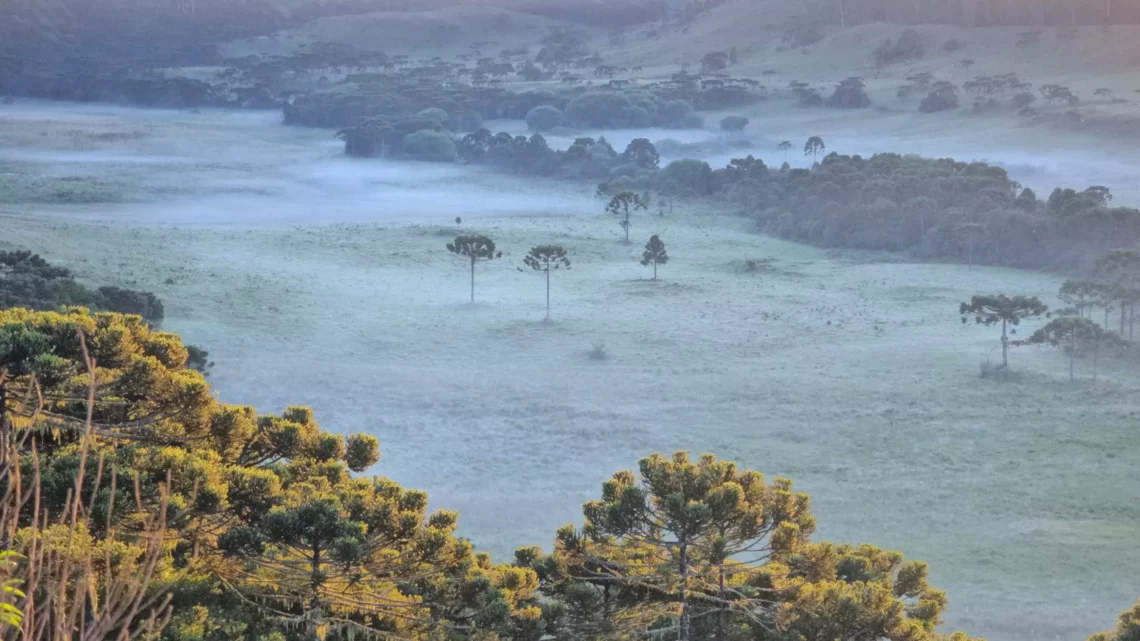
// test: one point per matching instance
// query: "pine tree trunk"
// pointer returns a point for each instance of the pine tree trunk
(314, 586)
(472, 279)
(548, 292)
(654, 269)
(1123, 314)
(722, 624)
(1131, 319)
(4, 416)
(1096, 354)
(1004, 346)
(683, 634)
(627, 226)
(1072, 354)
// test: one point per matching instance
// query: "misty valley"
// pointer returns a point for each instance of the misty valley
(305, 340)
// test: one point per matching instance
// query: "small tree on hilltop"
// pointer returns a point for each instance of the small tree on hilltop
(474, 249)
(545, 258)
(654, 254)
(814, 147)
(784, 147)
(621, 205)
(1009, 311)
(1076, 334)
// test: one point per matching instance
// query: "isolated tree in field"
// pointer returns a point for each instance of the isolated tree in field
(1076, 335)
(1009, 311)
(474, 249)
(622, 205)
(814, 147)
(545, 258)
(654, 254)
(693, 534)
(784, 147)
(1119, 270)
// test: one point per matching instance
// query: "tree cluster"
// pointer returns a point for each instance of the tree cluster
(27, 280)
(972, 212)
(1113, 286)
(269, 533)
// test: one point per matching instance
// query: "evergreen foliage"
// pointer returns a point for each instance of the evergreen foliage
(547, 258)
(1007, 310)
(654, 254)
(475, 249)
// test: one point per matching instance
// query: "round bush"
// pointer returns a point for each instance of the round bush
(543, 118)
(647, 101)
(733, 123)
(633, 117)
(674, 113)
(435, 146)
(1023, 99)
(434, 114)
(685, 175)
(597, 109)
(938, 101)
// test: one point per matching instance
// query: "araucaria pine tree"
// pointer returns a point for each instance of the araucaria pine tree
(474, 249)
(814, 147)
(1076, 335)
(622, 204)
(546, 258)
(1009, 311)
(1120, 271)
(654, 254)
(694, 534)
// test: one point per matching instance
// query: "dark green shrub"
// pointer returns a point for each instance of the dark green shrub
(129, 301)
(850, 93)
(1023, 100)
(434, 114)
(633, 117)
(938, 101)
(674, 113)
(543, 118)
(733, 123)
(598, 109)
(681, 176)
(907, 47)
(434, 146)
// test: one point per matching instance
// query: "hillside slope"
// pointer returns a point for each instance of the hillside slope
(774, 44)
(441, 32)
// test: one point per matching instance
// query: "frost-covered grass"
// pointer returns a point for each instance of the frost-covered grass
(851, 374)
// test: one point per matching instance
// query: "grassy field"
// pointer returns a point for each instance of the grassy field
(320, 281)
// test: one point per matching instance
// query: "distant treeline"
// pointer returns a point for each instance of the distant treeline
(979, 13)
(932, 208)
(935, 208)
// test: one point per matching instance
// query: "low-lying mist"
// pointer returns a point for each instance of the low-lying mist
(320, 280)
